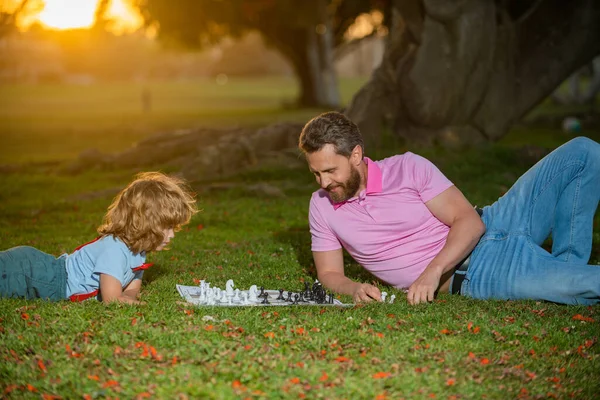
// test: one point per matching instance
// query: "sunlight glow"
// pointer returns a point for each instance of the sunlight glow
(73, 14)
(124, 16)
(68, 14)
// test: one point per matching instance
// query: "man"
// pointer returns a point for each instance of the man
(407, 224)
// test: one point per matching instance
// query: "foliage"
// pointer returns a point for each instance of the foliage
(304, 33)
(201, 22)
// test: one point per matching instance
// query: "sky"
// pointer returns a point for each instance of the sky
(70, 14)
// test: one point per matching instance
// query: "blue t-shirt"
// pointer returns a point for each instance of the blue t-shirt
(107, 255)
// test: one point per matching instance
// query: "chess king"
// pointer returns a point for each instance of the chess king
(407, 224)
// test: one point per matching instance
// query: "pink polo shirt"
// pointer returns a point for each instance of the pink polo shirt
(387, 228)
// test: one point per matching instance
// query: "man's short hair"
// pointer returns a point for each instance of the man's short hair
(330, 128)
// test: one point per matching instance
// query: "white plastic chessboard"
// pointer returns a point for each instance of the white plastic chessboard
(204, 295)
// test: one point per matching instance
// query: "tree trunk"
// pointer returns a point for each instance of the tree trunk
(326, 56)
(310, 50)
(466, 70)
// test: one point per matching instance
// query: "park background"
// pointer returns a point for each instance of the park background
(92, 92)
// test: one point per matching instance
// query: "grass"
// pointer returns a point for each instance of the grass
(53, 122)
(455, 348)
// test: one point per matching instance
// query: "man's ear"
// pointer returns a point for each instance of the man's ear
(357, 155)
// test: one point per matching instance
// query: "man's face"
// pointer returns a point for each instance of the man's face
(335, 173)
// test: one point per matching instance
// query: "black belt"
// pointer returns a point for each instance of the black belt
(461, 268)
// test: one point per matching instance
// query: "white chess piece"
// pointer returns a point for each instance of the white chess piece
(236, 296)
(202, 298)
(383, 296)
(224, 297)
(392, 297)
(245, 298)
(210, 297)
(229, 287)
(252, 294)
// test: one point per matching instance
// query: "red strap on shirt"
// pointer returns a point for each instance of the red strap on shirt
(83, 296)
(85, 244)
(142, 267)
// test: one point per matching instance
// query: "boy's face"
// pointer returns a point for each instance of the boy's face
(168, 234)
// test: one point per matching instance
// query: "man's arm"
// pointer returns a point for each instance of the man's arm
(466, 228)
(330, 271)
(110, 289)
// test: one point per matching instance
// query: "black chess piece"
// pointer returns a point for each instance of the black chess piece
(296, 297)
(289, 297)
(280, 295)
(266, 300)
(321, 296)
(262, 291)
(316, 286)
(306, 289)
(330, 298)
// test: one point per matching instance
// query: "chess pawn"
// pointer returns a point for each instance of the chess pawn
(383, 296)
(392, 298)
(280, 295)
(236, 296)
(210, 297)
(245, 298)
(202, 298)
(224, 297)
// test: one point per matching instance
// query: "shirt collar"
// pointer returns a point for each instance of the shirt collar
(374, 182)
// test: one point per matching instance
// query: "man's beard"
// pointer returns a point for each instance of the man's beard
(349, 188)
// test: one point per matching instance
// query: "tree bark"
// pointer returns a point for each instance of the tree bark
(310, 50)
(465, 71)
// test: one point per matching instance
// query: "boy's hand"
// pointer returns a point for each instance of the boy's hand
(110, 290)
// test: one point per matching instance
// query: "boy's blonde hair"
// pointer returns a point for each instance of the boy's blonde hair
(152, 203)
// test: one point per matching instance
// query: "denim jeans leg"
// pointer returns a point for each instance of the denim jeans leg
(570, 199)
(512, 267)
(560, 195)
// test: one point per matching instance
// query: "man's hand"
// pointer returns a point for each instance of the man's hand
(366, 293)
(423, 289)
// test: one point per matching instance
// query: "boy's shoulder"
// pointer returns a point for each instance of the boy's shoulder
(107, 243)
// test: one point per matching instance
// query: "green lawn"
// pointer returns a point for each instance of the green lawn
(53, 122)
(456, 348)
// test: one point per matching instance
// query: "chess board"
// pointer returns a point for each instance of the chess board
(194, 295)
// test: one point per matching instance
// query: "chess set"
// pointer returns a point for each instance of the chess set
(205, 295)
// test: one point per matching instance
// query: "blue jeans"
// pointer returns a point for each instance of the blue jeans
(26, 272)
(559, 196)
